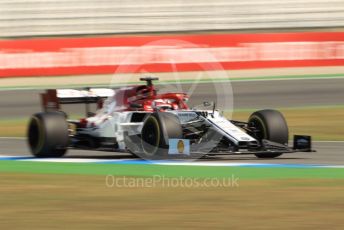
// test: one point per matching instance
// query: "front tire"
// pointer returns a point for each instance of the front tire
(157, 130)
(48, 134)
(270, 125)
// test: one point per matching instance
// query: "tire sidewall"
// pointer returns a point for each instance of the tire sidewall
(274, 128)
(169, 126)
(52, 134)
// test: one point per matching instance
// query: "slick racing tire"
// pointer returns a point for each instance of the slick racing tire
(48, 134)
(271, 125)
(157, 129)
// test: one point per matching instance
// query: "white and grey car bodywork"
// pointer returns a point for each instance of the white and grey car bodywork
(205, 132)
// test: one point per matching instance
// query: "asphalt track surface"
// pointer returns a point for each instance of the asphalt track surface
(327, 153)
(253, 94)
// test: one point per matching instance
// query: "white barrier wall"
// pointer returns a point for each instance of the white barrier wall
(77, 17)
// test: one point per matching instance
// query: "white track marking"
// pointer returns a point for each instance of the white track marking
(328, 141)
(64, 160)
(207, 164)
(75, 160)
(13, 138)
(8, 156)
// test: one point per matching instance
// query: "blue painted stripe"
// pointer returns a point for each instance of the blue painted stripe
(9, 158)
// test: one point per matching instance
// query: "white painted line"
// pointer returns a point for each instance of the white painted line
(267, 165)
(328, 141)
(331, 166)
(76, 160)
(64, 160)
(7, 156)
(13, 138)
(207, 163)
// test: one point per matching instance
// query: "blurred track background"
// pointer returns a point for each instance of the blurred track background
(28, 18)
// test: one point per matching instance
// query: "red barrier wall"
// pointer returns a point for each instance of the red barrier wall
(165, 53)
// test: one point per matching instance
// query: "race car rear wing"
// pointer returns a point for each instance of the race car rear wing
(52, 99)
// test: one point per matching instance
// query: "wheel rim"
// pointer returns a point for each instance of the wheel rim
(36, 136)
(258, 124)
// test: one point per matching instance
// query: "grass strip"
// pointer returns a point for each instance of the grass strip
(138, 170)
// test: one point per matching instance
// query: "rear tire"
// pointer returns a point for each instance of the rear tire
(157, 130)
(272, 126)
(48, 134)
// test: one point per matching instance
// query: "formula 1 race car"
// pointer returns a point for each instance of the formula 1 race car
(138, 120)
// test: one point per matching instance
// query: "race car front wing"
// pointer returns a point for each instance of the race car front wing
(301, 143)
